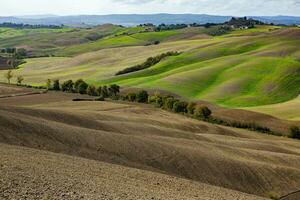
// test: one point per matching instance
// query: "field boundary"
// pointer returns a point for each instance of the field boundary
(287, 195)
(22, 94)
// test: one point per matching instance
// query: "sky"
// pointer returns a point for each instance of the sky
(100, 7)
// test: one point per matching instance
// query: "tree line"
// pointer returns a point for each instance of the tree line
(23, 26)
(148, 63)
(166, 102)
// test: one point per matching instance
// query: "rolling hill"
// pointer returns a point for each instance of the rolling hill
(111, 148)
(243, 68)
(135, 19)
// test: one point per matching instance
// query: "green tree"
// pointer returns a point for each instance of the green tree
(156, 100)
(99, 91)
(202, 112)
(142, 97)
(67, 86)
(82, 88)
(56, 85)
(20, 79)
(114, 90)
(48, 84)
(191, 108)
(91, 90)
(8, 75)
(21, 53)
(131, 97)
(77, 83)
(180, 107)
(168, 102)
(105, 92)
(294, 132)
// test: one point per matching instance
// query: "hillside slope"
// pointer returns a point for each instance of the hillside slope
(150, 139)
(245, 68)
(44, 175)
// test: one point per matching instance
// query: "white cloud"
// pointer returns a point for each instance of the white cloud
(217, 7)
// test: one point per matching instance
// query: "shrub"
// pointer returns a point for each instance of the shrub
(56, 85)
(131, 97)
(67, 86)
(148, 63)
(100, 99)
(294, 132)
(114, 90)
(48, 84)
(20, 79)
(168, 102)
(180, 107)
(77, 83)
(191, 108)
(156, 100)
(142, 97)
(91, 90)
(82, 88)
(104, 92)
(99, 91)
(8, 76)
(273, 195)
(202, 112)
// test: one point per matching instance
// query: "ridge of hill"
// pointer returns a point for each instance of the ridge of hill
(136, 19)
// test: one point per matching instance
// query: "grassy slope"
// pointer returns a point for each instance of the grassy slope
(245, 68)
(232, 71)
(52, 40)
(287, 110)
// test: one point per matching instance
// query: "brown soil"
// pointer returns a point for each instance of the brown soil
(121, 138)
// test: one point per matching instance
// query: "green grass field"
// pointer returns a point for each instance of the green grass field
(244, 68)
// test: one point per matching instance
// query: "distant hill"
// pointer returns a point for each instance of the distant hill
(133, 19)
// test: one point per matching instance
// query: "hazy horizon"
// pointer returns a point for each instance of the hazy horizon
(106, 7)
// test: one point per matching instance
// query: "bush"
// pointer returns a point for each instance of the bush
(131, 97)
(156, 100)
(48, 84)
(168, 102)
(100, 99)
(77, 83)
(148, 63)
(294, 132)
(113, 90)
(273, 195)
(142, 97)
(82, 88)
(91, 90)
(67, 86)
(191, 108)
(56, 85)
(180, 107)
(104, 91)
(99, 91)
(202, 112)
(20, 79)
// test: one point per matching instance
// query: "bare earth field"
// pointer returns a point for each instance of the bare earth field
(43, 175)
(54, 148)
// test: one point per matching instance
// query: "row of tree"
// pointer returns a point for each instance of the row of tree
(22, 26)
(14, 52)
(148, 63)
(170, 103)
(82, 87)
(9, 75)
